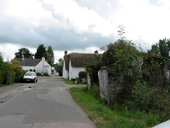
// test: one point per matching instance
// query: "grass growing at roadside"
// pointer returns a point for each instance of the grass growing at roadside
(5, 85)
(67, 81)
(104, 117)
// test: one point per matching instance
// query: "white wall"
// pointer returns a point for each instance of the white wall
(43, 64)
(74, 71)
(65, 72)
(28, 68)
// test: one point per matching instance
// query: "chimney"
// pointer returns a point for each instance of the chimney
(65, 52)
(43, 60)
(96, 52)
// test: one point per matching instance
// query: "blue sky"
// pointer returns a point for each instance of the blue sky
(80, 25)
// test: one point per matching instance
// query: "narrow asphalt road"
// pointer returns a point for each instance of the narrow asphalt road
(46, 104)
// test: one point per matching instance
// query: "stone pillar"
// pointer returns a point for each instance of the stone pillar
(103, 82)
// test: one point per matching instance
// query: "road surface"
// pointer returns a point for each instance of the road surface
(46, 104)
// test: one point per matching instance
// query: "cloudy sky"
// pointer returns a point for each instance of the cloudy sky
(80, 25)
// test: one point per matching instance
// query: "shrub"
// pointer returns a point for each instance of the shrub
(9, 77)
(19, 75)
(45, 74)
(82, 74)
(140, 95)
(1, 77)
(93, 69)
(39, 74)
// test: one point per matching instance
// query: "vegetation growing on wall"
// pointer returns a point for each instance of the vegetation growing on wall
(93, 69)
(140, 80)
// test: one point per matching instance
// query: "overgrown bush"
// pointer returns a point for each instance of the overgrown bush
(140, 81)
(45, 74)
(82, 74)
(93, 69)
(39, 74)
(140, 96)
(9, 77)
(15, 66)
(1, 77)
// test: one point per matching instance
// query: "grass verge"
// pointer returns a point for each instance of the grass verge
(104, 117)
(67, 81)
(5, 85)
(71, 82)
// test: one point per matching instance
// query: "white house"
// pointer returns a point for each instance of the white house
(76, 62)
(37, 65)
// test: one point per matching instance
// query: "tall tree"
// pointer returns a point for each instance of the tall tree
(50, 55)
(23, 52)
(59, 66)
(161, 48)
(41, 52)
(121, 32)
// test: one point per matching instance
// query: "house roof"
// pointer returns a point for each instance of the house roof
(81, 59)
(28, 62)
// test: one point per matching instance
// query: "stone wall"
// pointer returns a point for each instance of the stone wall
(103, 83)
(108, 86)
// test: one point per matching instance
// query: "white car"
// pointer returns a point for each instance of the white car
(165, 124)
(30, 77)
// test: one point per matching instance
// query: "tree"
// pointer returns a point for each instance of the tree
(59, 66)
(41, 52)
(161, 48)
(50, 55)
(121, 32)
(23, 52)
(2, 70)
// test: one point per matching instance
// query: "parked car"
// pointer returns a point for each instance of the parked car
(165, 124)
(30, 77)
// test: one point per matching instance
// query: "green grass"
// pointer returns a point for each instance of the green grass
(104, 117)
(67, 81)
(71, 82)
(5, 85)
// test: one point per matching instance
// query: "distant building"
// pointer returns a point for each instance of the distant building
(37, 65)
(76, 62)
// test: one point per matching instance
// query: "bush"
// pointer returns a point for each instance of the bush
(9, 77)
(140, 95)
(82, 74)
(45, 74)
(39, 74)
(1, 77)
(19, 75)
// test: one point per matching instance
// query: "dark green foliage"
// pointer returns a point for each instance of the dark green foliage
(161, 48)
(9, 74)
(25, 52)
(2, 70)
(82, 74)
(59, 66)
(93, 69)
(50, 55)
(140, 80)
(19, 73)
(104, 117)
(39, 74)
(45, 74)
(140, 96)
(1, 77)
(9, 77)
(41, 52)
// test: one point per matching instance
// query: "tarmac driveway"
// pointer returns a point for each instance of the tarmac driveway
(46, 104)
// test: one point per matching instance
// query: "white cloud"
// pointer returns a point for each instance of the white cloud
(81, 25)
(80, 18)
(8, 51)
